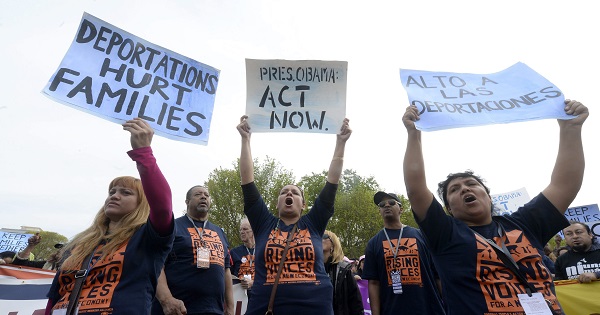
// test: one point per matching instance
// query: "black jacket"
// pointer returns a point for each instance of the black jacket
(346, 296)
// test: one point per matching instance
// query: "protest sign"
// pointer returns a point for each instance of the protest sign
(452, 100)
(14, 242)
(363, 287)
(296, 95)
(509, 202)
(588, 214)
(117, 76)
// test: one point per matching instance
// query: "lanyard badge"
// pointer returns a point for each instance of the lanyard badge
(396, 281)
(202, 252)
(202, 257)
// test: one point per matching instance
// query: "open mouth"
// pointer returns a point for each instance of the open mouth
(289, 201)
(470, 198)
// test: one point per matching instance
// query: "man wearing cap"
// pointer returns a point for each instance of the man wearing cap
(398, 266)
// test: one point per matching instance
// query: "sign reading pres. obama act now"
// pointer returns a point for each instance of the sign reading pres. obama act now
(452, 100)
(117, 76)
(296, 95)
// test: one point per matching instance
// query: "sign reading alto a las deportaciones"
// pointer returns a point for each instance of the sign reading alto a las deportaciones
(117, 76)
(296, 95)
(453, 100)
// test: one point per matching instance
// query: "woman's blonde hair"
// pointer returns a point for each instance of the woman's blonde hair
(86, 242)
(337, 254)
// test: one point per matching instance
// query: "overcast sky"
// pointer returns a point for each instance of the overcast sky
(56, 162)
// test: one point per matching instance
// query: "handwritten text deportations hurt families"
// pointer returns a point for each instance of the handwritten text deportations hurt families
(296, 96)
(449, 100)
(117, 76)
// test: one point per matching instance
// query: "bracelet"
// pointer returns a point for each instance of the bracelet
(337, 158)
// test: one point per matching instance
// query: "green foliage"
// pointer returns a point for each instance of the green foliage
(356, 218)
(227, 201)
(46, 246)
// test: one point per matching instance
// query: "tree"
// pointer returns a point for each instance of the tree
(228, 204)
(355, 219)
(45, 248)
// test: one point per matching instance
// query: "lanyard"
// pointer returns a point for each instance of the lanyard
(90, 264)
(195, 227)
(250, 255)
(507, 259)
(502, 248)
(394, 249)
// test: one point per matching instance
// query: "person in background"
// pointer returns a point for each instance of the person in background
(561, 251)
(470, 266)
(582, 261)
(305, 287)
(26, 256)
(359, 268)
(548, 261)
(556, 243)
(346, 295)
(6, 257)
(196, 278)
(548, 252)
(23, 257)
(398, 266)
(124, 249)
(243, 256)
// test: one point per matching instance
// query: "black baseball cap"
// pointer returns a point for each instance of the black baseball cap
(380, 195)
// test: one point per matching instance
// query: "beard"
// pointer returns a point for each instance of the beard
(579, 248)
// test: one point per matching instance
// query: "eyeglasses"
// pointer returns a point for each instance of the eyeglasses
(391, 202)
(326, 236)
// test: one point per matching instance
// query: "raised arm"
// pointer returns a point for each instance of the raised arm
(337, 162)
(32, 242)
(567, 175)
(246, 163)
(414, 168)
(156, 187)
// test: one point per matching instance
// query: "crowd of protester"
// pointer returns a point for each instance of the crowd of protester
(136, 258)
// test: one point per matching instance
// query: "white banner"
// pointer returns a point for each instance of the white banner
(296, 95)
(510, 201)
(452, 100)
(117, 76)
(23, 290)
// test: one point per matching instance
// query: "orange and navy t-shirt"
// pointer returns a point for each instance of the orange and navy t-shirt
(202, 290)
(304, 286)
(243, 261)
(118, 284)
(474, 278)
(414, 265)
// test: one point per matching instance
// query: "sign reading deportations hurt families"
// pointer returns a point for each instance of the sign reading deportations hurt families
(451, 100)
(117, 76)
(296, 95)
